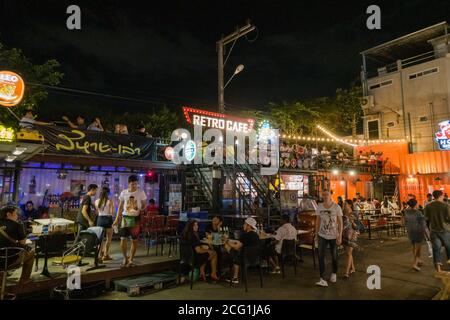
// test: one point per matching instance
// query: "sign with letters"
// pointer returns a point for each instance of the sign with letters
(66, 141)
(12, 88)
(443, 135)
(219, 121)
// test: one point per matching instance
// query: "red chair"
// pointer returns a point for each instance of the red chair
(155, 231)
(171, 233)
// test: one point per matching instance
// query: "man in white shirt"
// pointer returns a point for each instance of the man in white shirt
(131, 205)
(285, 232)
(329, 233)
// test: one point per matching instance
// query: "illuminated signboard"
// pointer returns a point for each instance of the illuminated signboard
(189, 150)
(217, 120)
(443, 135)
(12, 88)
(6, 134)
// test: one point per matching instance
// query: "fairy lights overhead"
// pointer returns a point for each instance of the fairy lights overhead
(334, 138)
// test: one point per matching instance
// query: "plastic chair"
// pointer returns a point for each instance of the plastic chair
(288, 250)
(7, 256)
(251, 257)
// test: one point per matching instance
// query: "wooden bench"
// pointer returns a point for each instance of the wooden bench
(444, 294)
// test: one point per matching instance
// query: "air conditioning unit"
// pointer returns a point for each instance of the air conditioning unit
(391, 124)
(382, 71)
(367, 102)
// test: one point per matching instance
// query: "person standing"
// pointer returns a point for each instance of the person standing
(437, 214)
(105, 209)
(131, 205)
(328, 233)
(417, 229)
(428, 200)
(349, 236)
(85, 218)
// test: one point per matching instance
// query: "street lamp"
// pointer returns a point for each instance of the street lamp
(239, 68)
(231, 38)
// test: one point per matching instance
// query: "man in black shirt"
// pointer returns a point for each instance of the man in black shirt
(248, 239)
(29, 212)
(12, 235)
(85, 218)
(80, 125)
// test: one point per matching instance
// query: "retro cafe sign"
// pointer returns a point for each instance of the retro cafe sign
(443, 135)
(217, 120)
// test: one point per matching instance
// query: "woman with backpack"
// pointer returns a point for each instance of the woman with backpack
(349, 236)
(417, 230)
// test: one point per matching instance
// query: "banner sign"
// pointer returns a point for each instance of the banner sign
(443, 135)
(66, 141)
(12, 88)
(217, 120)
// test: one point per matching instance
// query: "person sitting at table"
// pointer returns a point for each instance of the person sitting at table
(29, 212)
(152, 208)
(249, 238)
(202, 252)
(214, 228)
(286, 231)
(12, 235)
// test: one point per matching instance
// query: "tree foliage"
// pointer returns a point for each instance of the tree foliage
(33, 75)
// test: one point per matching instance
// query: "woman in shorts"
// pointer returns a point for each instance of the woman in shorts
(105, 209)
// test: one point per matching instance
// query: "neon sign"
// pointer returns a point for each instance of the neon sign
(443, 135)
(217, 120)
(12, 88)
(6, 134)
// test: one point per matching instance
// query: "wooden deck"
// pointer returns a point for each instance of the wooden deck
(144, 265)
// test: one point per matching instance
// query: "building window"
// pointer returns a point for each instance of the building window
(381, 84)
(423, 73)
(373, 130)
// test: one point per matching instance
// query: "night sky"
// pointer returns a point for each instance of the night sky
(164, 51)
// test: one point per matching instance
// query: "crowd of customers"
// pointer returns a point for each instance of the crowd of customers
(28, 121)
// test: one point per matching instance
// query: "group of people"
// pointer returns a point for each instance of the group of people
(214, 254)
(432, 223)
(28, 121)
(98, 213)
(132, 204)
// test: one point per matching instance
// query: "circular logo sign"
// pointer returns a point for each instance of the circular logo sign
(168, 153)
(189, 150)
(12, 88)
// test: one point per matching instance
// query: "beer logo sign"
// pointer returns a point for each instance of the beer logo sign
(12, 88)
(443, 135)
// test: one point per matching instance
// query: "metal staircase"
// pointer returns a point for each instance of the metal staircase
(198, 187)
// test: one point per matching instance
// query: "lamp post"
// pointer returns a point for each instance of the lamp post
(233, 37)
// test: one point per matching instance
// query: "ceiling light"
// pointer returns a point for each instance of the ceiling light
(19, 150)
(10, 158)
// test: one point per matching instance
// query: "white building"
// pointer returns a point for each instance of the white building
(406, 84)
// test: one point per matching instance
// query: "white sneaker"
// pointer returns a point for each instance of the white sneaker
(333, 278)
(322, 283)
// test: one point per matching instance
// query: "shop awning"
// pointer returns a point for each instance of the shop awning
(19, 151)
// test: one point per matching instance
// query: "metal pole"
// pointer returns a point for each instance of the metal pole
(221, 101)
